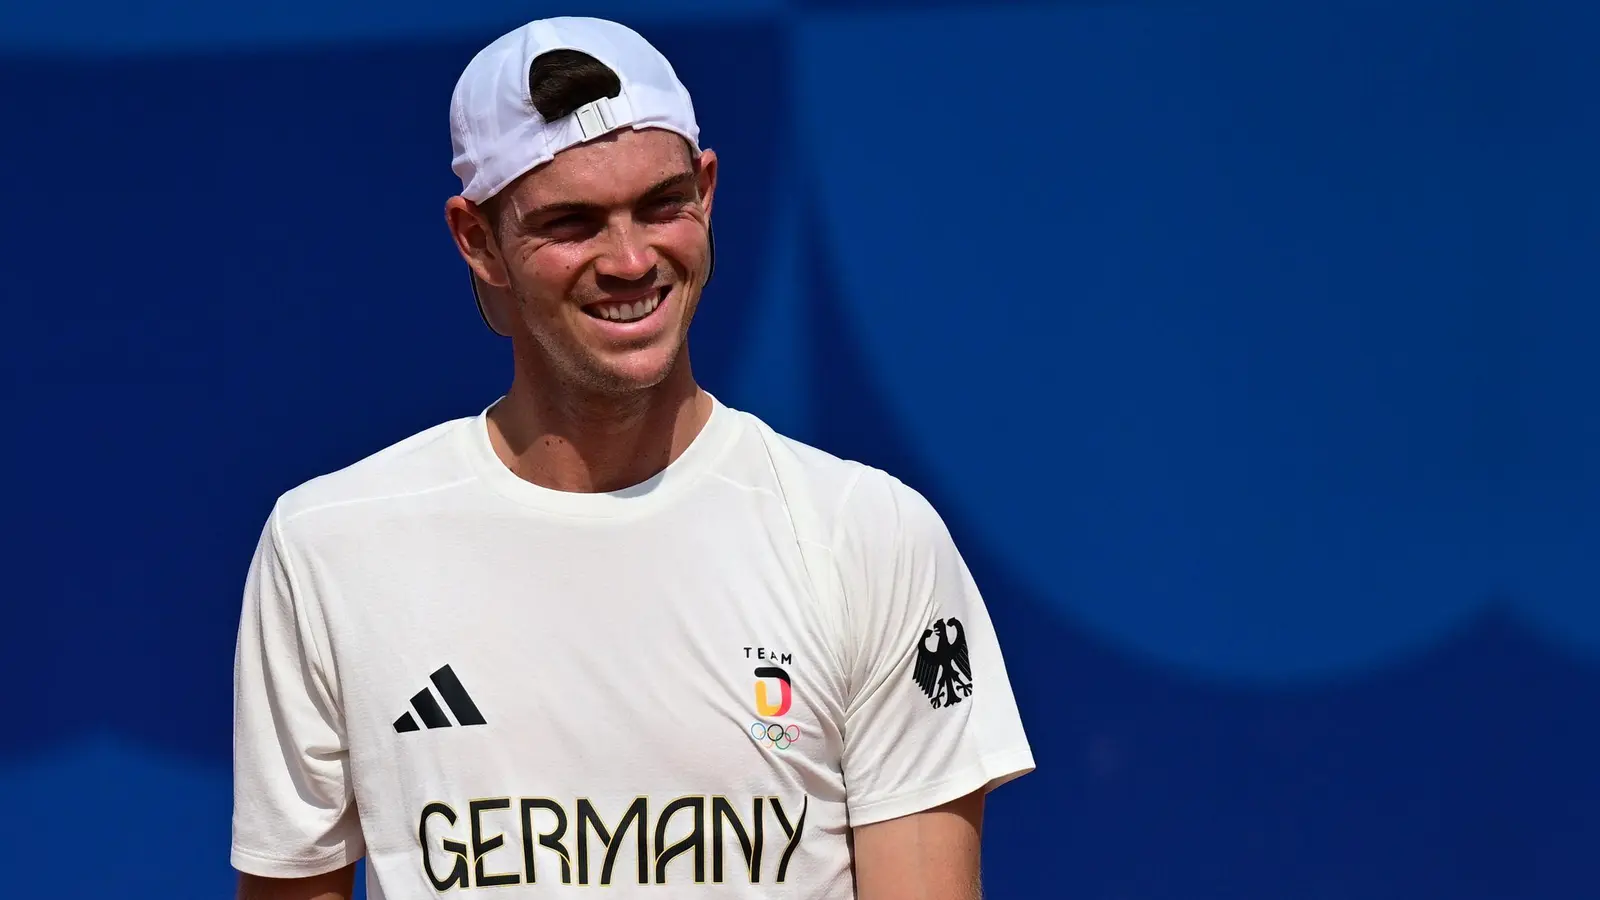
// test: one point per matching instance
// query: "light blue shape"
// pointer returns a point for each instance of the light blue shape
(100, 27)
(105, 818)
(1173, 303)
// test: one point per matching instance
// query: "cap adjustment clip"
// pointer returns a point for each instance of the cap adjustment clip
(595, 118)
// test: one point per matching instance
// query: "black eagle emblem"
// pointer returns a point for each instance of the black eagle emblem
(943, 672)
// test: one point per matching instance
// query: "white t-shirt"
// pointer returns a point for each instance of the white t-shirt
(700, 682)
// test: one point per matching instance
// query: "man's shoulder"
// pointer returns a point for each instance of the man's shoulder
(846, 495)
(416, 465)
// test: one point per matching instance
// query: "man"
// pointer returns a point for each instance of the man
(609, 632)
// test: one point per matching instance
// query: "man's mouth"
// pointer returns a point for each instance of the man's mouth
(627, 310)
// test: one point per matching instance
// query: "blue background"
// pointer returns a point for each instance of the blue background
(1243, 345)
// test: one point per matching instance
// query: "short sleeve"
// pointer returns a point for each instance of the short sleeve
(931, 716)
(294, 812)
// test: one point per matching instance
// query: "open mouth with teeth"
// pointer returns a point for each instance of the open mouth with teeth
(627, 311)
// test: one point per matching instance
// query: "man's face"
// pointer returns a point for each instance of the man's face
(604, 252)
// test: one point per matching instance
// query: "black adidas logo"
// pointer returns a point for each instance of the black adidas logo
(455, 696)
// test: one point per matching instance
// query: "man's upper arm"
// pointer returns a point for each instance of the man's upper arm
(928, 855)
(294, 811)
(336, 885)
(931, 722)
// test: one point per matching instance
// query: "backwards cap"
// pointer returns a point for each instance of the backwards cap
(498, 136)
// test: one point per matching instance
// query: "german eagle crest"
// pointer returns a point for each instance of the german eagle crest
(943, 671)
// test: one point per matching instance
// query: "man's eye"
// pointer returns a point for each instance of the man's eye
(665, 206)
(566, 227)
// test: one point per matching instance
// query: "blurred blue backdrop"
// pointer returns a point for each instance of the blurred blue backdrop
(1243, 345)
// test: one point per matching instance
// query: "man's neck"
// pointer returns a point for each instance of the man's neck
(590, 442)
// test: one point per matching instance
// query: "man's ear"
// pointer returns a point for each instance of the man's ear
(706, 183)
(705, 170)
(475, 240)
(474, 237)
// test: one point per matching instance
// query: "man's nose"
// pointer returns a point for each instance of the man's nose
(628, 254)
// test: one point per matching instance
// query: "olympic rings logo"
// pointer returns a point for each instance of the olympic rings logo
(778, 736)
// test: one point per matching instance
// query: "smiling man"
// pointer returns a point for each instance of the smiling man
(608, 633)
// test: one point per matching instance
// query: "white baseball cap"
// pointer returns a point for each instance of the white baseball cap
(498, 136)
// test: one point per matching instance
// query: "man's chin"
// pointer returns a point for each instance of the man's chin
(634, 371)
(595, 360)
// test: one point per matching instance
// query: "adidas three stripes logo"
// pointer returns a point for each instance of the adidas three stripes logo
(428, 709)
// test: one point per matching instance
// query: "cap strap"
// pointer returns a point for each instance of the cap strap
(600, 116)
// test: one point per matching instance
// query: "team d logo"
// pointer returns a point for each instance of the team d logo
(942, 671)
(771, 702)
(774, 696)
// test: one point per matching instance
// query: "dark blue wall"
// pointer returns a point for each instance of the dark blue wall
(1248, 348)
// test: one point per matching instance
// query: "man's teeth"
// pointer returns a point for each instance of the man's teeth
(628, 312)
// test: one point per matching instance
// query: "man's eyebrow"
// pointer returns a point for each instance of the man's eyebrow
(669, 183)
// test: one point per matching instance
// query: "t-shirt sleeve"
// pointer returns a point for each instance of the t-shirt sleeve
(931, 716)
(294, 812)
